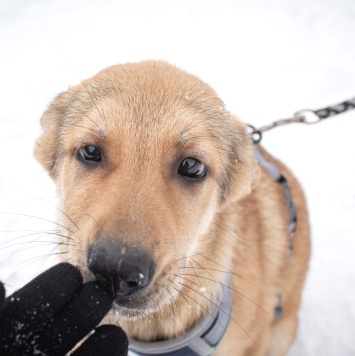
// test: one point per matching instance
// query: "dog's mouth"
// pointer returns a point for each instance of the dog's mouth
(130, 305)
(137, 306)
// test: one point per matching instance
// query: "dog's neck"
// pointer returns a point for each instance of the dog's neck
(201, 339)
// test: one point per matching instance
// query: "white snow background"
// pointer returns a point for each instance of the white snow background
(266, 60)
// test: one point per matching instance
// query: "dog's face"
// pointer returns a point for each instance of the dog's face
(144, 156)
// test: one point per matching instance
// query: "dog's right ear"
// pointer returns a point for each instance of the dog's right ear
(47, 145)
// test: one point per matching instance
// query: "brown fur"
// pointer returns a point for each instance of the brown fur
(146, 118)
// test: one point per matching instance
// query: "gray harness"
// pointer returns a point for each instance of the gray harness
(278, 177)
(204, 337)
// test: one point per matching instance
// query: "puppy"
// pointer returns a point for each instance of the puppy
(166, 201)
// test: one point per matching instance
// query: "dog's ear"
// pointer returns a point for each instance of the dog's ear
(47, 144)
(243, 171)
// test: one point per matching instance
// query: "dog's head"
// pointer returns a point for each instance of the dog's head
(144, 157)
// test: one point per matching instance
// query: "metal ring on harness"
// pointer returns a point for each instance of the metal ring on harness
(255, 134)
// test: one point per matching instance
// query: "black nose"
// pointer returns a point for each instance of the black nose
(122, 270)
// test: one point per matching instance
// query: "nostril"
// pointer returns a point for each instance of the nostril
(132, 283)
(126, 288)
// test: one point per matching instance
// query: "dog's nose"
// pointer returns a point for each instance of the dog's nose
(122, 270)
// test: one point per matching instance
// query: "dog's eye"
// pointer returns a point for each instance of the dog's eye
(90, 153)
(192, 168)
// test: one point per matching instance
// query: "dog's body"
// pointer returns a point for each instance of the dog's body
(163, 200)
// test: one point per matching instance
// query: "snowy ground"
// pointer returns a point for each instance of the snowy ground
(266, 59)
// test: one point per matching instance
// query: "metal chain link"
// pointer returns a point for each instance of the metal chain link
(308, 117)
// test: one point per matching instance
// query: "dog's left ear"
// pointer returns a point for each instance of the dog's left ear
(47, 145)
(243, 172)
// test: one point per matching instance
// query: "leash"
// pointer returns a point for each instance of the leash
(309, 117)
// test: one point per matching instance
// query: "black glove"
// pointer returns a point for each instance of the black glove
(55, 311)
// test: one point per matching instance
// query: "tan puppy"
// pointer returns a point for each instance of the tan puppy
(163, 201)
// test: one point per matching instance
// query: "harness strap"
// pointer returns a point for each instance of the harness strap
(292, 213)
(202, 339)
(281, 179)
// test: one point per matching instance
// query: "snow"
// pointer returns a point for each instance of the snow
(266, 59)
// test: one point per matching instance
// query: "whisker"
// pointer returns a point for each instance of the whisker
(193, 124)
(28, 230)
(213, 261)
(178, 307)
(229, 272)
(102, 109)
(42, 234)
(172, 307)
(87, 116)
(36, 217)
(82, 127)
(81, 112)
(93, 219)
(225, 285)
(172, 304)
(24, 236)
(83, 83)
(195, 273)
(39, 93)
(26, 243)
(184, 295)
(234, 237)
(231, 318)
(207, 311)
(62, 101)
(25, 200)
(34, 261)
(212, 250)
(46, 258)
(192, 282)
(45, 243)
(93, 101)
(60, 210)
(201, 267)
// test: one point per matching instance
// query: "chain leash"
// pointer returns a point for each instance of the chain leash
(308, 117)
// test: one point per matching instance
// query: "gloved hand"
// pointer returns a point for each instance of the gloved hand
(55, 311)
